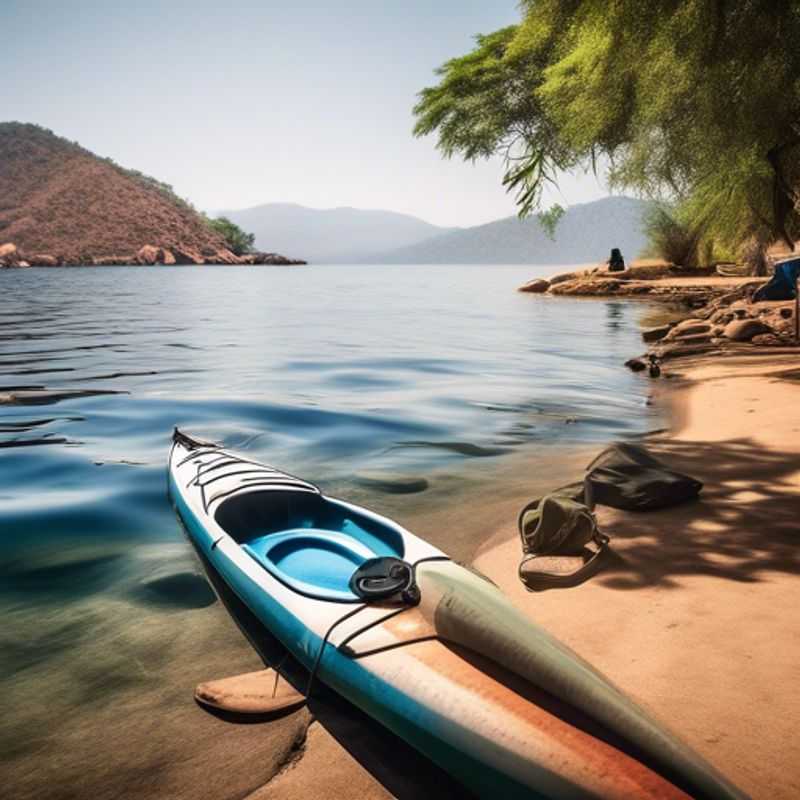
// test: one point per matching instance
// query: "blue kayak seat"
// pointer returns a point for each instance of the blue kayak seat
(313, 562)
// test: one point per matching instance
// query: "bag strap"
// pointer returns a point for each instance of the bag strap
(574, 578)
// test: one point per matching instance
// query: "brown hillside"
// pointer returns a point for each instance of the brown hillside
(56, 197)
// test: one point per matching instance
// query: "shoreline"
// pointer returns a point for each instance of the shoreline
(645, 279)
(11, 257)
(330, 750)
(685, 617)
(686, 614)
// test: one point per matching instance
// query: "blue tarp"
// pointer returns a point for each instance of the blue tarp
(783, 284)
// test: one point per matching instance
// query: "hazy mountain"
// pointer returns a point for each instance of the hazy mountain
(331, 236)
(348, 235)
(585, 233)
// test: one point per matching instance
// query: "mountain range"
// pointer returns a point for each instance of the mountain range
(60, 203)
(586, 233)
(333, 236)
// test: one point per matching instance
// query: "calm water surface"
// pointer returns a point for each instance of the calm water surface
(442, 372)
(326, 371)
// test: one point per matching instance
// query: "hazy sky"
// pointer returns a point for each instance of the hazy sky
(240, 102)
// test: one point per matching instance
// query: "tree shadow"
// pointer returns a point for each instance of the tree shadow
(744, 524)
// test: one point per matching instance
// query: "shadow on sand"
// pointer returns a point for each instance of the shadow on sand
(745, 522)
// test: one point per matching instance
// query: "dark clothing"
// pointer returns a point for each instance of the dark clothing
(616, 263)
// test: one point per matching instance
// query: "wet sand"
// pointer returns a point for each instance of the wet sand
(695, 616)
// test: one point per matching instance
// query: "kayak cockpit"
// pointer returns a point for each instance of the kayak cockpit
(312, 562)
(311, 543)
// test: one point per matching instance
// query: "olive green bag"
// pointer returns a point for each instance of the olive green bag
(561, 543)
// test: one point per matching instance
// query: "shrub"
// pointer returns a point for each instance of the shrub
(237, 241)
(671, 238)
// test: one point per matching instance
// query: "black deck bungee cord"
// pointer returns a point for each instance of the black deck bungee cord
(407, 597)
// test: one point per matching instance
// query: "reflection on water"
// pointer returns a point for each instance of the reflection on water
(615, 315)
(444, 374)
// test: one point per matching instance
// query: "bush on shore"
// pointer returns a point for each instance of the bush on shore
(675, 240)
(238, 241)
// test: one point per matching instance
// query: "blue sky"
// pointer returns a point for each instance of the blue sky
(242, 102)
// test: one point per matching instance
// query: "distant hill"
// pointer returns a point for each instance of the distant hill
(58, 198)
(585, 233)
(348, 235)
(332, 236)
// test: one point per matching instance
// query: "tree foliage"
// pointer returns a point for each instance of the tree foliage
(550, 218)
(696, 102)
(237, 241)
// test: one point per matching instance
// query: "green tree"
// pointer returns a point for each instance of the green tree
(237, 241)
(696, 102)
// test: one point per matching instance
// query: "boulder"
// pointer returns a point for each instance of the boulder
(689, 325)
(225, 256)
(586, 286)
(166, 257)
(273, 259)
(690, 328)
(537, 286)
(636, 364)
(563, 276)
(767, 340)
(721, 317)
(184, 254)
(680, 349)
(9, 256)
(695, 338)
(742, 330)
(656, 333)
(147, 255)
(112, 261)
(44, 260)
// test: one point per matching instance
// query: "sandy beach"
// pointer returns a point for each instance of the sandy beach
(694, 615)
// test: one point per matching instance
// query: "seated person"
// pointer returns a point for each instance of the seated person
(616, 263)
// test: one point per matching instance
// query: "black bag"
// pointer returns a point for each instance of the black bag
(627, 476)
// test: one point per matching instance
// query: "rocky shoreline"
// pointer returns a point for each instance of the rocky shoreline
(731, 324)
(720, 318)
(649, 280)
(147, 255)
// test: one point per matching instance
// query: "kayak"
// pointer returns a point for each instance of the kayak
(429, 648)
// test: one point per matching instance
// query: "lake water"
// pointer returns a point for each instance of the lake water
(444, 373)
